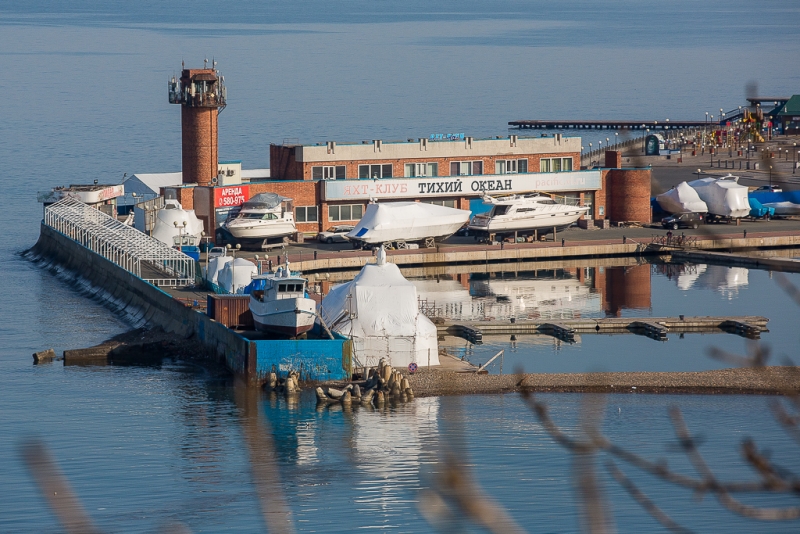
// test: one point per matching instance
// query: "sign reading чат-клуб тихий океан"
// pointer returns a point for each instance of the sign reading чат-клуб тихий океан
(449, 186)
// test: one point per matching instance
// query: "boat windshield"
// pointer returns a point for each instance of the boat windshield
(261, 216)
(297, 288)
(499, 210)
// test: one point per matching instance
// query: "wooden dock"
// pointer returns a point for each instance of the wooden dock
(654, 327)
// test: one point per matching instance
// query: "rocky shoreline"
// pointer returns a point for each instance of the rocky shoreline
(141, 345)
(765, 381)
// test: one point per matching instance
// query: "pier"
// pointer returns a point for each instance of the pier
(606, 125)
(657, 328)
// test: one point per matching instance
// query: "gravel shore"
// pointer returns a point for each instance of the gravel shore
(768, 380)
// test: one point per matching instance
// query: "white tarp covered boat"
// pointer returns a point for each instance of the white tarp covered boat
(235, 275)
(682, 199)
(379, 311)
(394, 222)
(173, 224)
(723, 196)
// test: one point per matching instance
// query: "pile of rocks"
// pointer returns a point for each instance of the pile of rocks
(383, 385)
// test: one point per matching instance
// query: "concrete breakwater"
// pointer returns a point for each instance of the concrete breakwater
(141, 303)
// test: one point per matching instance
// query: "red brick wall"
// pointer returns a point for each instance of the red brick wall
(199, 144)
(302, 194)
(283, 165)
(628, 195)
(613, 159)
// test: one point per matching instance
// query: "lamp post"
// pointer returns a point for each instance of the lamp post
(770, 175)
(233, 265)
(616, 139)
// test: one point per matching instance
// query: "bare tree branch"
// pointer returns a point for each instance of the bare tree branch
(648, 505)
(55, 488)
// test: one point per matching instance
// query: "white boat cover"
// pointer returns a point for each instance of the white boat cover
(379, 311)
(166, 231)
(215, 265)
(407, 221)
(724, 196)
(682, 199)
(235, 275)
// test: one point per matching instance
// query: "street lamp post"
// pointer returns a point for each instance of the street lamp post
(770, 175)
(616, 139)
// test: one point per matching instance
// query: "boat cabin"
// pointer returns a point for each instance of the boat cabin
(279, 289)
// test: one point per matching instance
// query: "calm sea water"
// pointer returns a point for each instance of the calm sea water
(85, 98)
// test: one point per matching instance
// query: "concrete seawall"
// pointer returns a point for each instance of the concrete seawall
(145, 304)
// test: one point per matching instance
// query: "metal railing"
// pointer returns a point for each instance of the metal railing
(122, 245)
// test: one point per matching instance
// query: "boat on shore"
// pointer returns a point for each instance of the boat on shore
(521, 213)
(397, 224)
(265, 216)
(725, 197)
(177, 227)
(682, 199)
(279, 303)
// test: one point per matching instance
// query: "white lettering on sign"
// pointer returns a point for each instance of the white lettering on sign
(231, 196)
(448, 186)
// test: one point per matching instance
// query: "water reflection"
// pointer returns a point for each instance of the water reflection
(568, 293)
(718, 278)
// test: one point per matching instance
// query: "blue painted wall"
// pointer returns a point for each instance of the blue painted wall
(315, 359)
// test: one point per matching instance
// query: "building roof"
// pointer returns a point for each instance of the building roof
(792, 107)
(146, 186)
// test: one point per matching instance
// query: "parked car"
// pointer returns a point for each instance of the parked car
(682, 220)
(335, 234)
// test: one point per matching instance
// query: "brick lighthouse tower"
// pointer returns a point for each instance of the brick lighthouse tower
(202, 96)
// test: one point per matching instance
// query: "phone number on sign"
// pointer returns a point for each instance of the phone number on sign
(231, 201)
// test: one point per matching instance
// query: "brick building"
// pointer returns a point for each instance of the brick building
(332, 183)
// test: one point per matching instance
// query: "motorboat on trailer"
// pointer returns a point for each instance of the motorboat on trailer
(396, 224)
(520, 213)
(279, 303)
(682, 199)
(265, 216)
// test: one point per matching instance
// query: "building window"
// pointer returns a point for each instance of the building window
(511, 166)
(379, 170)
(329, 172)
(345, 212)
(415, 170)
(445, 203)
(555, 164)
(306, 214)
(466, 168)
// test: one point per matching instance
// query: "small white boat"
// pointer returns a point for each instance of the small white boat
(175, 224)
(279, 303)
(784, 208)
(265, 216)
(682, 199)
(724, 196)
(406, 222)
(517, 213)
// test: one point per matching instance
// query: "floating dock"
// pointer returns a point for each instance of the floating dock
(654, 327)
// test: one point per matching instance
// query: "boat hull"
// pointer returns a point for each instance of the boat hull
(544, 221)
(254, 230)
(291, 317)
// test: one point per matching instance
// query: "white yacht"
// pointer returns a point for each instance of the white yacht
(518, 213)
(176, 226)
(279, 303)
(266, 215)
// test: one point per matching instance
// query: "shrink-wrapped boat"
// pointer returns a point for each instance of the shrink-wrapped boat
(175, 226)
(723, 196)
(379, 311)
(682, 198)
(398, 223)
